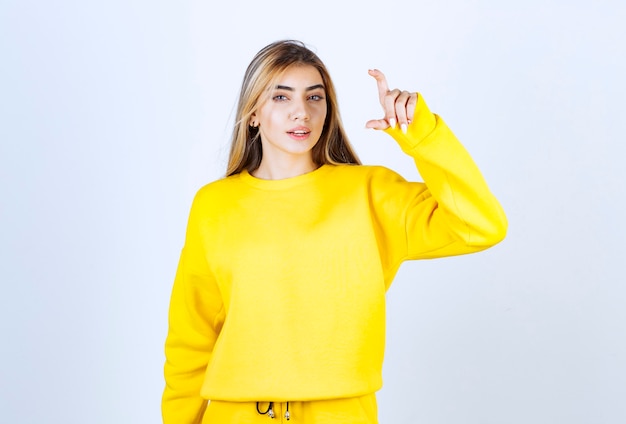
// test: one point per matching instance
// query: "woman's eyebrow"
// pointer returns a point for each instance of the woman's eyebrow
(287, 88)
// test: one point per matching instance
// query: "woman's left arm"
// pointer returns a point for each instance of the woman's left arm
(456, 213)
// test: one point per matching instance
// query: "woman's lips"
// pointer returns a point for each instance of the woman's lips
(300, 133)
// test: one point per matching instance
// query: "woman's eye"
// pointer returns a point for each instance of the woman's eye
(279, 98)
(316, 97)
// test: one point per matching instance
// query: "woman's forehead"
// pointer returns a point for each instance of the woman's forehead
(299, 77)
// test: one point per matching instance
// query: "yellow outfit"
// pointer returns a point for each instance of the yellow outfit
(280, 290)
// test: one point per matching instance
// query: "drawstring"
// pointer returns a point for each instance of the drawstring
(270, 411)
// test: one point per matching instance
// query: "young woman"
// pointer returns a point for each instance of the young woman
(278, 306)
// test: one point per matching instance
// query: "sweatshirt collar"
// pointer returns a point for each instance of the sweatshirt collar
(285, 183)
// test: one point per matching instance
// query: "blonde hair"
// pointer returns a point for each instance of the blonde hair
(269, 64)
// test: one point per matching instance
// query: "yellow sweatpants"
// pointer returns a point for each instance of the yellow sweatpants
(357, 410)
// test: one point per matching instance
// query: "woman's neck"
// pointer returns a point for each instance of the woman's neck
(278, 170)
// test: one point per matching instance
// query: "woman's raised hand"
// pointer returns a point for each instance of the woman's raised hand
(398, 106)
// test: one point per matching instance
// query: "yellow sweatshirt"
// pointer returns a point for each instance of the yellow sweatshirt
(280, 289)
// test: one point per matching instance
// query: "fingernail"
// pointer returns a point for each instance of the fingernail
(392, 123)
(403, 127)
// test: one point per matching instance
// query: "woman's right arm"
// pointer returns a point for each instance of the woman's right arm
(195, 317)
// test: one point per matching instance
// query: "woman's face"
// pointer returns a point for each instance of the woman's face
(292, 118)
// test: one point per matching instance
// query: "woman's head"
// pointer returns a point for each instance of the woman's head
(269, 64)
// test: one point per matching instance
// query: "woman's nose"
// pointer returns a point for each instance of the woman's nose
(299, 112)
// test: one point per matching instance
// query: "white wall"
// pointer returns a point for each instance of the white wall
(112, 115)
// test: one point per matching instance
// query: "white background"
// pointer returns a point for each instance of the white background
(112, 115)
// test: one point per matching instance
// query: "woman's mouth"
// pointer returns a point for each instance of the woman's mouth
(299, 133)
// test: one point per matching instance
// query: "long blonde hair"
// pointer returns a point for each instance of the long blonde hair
(269, 64)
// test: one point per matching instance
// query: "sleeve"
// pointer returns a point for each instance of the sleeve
(195, 318)
(452, 212)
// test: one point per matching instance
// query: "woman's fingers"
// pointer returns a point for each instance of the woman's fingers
(389, 106)
(410, 107)
(377, 124)
(386, 101)
(405, 108)
(381, 82)
(398, 106)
